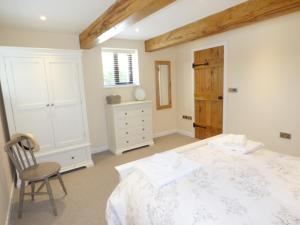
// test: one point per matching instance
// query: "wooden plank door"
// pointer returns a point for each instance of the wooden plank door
(209, 74)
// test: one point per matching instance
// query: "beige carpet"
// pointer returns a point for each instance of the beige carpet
(88, 189)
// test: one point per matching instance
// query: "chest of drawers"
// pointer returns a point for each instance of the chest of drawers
(129, 125)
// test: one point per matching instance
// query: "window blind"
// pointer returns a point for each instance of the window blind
(119, 67)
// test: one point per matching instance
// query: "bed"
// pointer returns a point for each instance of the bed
(262, 188)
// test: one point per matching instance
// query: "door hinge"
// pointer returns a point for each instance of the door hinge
(201, 64)
(200, 126)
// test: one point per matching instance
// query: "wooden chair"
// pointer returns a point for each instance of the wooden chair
(20, 150)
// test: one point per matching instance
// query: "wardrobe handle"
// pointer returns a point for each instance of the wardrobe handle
(47, 105)
(52, 104)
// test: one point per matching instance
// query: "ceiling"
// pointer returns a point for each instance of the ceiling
(174, 16)
(73, 16)
(64, 16)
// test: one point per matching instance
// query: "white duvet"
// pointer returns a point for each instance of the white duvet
(262, 188)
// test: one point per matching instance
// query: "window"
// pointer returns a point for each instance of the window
(120, 67)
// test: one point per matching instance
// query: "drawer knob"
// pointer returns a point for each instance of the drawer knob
(125, 114)
(127, 141)
(72, 157)
(127, 132)
(142, 110)
(143, 129)
(126, 123)
(143, 137)
(143, 120)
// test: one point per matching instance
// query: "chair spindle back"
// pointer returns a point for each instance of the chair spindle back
(20, 152)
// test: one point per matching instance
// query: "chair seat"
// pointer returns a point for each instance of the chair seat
(40, 171)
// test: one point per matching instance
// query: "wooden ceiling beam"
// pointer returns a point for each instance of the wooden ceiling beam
(121, 15)
(240, 15)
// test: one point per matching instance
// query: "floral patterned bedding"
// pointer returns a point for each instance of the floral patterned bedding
(262, 188)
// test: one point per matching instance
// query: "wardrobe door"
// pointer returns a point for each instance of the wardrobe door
(66, 108)
(30, 101)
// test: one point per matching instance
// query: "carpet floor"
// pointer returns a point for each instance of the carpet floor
(88, 189)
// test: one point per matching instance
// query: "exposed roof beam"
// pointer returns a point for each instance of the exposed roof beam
(122, 14)
(240, 15)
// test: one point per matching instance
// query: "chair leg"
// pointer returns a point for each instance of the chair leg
(21, 199)
(32, 190)
(62, 183)
(49, 190)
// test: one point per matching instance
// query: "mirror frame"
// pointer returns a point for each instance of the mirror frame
(158, 105)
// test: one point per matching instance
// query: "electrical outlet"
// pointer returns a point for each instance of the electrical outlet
(285, 135)
(185, 117)
(232, 90)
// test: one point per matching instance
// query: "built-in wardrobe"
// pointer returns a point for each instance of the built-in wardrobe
(44, 95)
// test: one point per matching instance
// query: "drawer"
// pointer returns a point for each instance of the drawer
(143, 129)
(145, 111)
(145, 121)
(73, 157)
(134, 122)
(124, 142)
(143, 137)
(67, 158)
(133, 140)
(123, 114)
(133, 112)
(130, 122)
(133, 131)
(126, 132)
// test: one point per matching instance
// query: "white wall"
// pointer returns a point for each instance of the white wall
(164, 120)
(26, 38)
(6, 183)
(264, 64)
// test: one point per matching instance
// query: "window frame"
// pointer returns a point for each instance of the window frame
(135, 67)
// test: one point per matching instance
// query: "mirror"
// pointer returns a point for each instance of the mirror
(163, 84)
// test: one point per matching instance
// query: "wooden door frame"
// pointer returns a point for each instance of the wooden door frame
(225, 79)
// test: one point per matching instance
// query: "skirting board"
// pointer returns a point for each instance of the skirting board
(165, 133)
(102, 148)
(174, 131)
(186, 133)
(10, 204)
